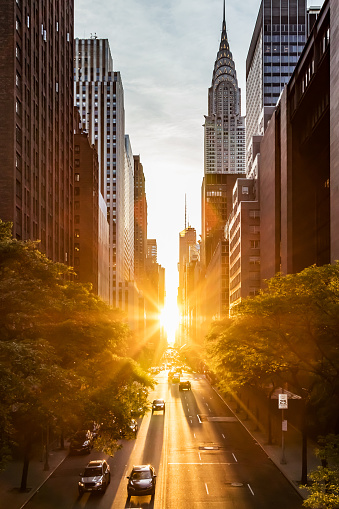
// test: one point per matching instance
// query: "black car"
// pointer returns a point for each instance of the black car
(185, 386)
(141, 481)
(158, 405)
(96, 477)
(81, 442)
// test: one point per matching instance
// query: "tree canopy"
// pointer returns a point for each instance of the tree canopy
(288, 333)
(63, 352)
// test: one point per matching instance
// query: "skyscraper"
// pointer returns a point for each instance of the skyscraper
(140, 222)
(224, 126)
(278, 39)
(100, 98)
(128, 212)
(36, 129)
(224, 147)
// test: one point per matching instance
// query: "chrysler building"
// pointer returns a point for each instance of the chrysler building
(224, 126)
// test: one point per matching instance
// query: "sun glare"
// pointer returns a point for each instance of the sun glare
(169, 319)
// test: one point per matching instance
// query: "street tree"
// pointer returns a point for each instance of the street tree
(287, 334)
(324, 481)
(63, 353)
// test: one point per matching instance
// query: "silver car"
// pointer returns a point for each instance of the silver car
(96, 477)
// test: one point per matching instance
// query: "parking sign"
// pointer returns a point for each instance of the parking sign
(283, 405)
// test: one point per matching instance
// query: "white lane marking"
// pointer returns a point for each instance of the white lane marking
(234, 458)
(191, 421)
(199, 419)
(249, 487)
(223, 436)
(194, 463)
(207, 489)
(199, 455)
(194, 435)
(188, 408)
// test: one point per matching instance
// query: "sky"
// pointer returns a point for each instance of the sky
(165, 51)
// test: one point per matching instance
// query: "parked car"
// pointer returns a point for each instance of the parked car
(96, 477)
(81, 442)
(158, 405)
(141, 481)
(131, 429)
(185, 386)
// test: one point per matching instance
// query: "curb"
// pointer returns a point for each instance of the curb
(31, 495)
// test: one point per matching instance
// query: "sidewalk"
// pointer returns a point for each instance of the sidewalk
(10, 479)
(292, 450)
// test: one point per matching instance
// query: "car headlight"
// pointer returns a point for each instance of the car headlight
(86, 443)
(81, 483)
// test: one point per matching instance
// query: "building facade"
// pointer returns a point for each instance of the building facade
(128, 212)
(299, 160)
(91, 240)
(277, 42)
(243, 234)
(140, 222)
(224, 145)
(100, 98)
(36, 130)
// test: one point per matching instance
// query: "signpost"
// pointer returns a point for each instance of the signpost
(283, 405)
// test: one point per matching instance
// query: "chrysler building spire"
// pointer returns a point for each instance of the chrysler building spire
(224, 126)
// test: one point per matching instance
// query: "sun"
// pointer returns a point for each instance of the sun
(169, 319)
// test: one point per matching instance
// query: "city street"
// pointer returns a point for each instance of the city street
(202, 455)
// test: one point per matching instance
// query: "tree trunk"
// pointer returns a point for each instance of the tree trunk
(304, 447)
(23, 486)
(62, 440)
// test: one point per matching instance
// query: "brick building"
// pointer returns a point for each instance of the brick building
(36, 129)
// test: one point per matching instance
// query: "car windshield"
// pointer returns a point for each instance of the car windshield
(92, 471)
(158, 401)
(138, 476)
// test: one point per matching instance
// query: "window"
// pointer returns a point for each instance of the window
(77, 191)
(244, 190)
(76, 234)
(77, 177)
(255, 244)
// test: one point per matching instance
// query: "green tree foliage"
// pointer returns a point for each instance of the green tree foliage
(62, 353)
(324, 482)
(288, 333)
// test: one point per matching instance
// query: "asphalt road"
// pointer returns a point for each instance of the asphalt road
(203, 457)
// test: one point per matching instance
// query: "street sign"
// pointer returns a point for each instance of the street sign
(283, 402)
